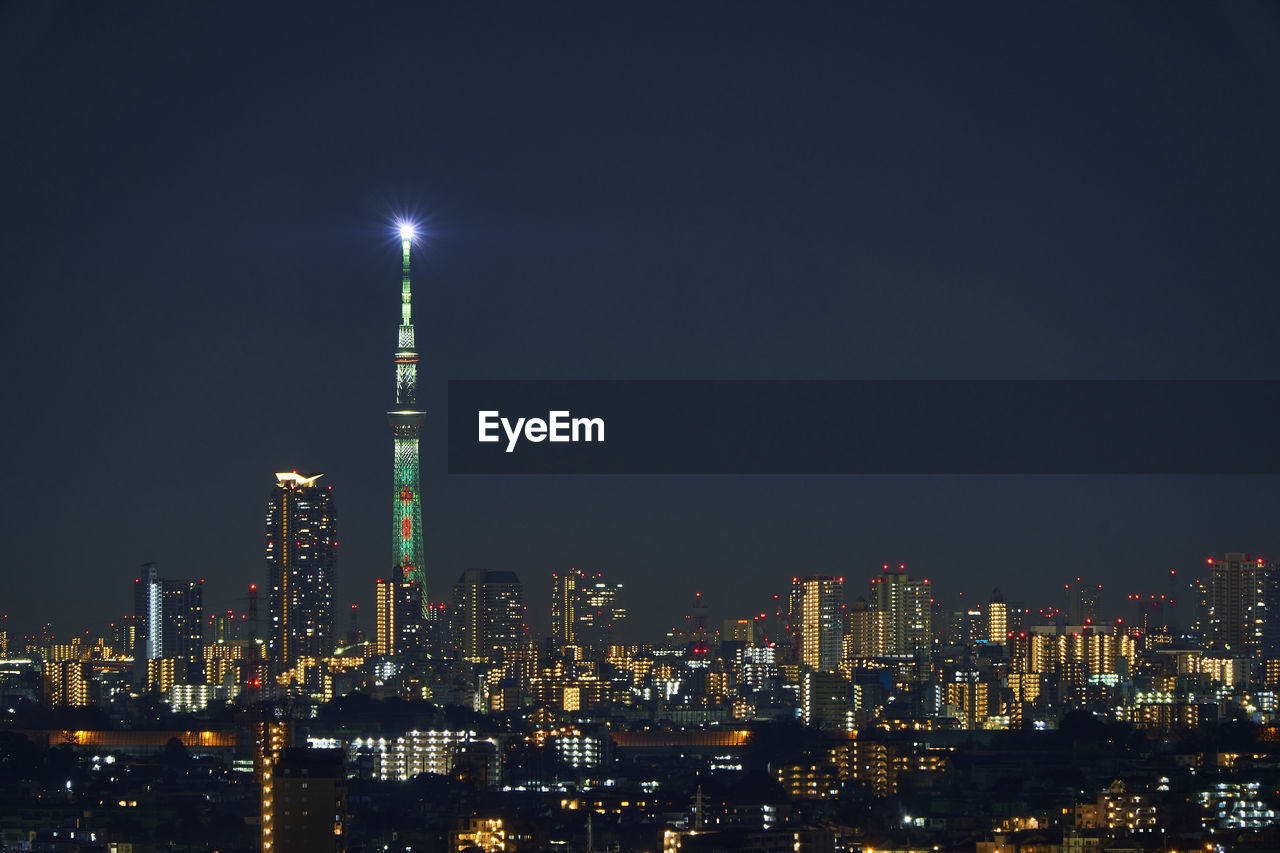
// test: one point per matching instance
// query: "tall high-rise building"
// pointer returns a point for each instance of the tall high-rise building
(865, 635)
(908, 608)
(585, 609)
(302, 547)
(1236, 603)
(168, 623)
(1271, 611)
(602, 614)
(406, 422)
(818, 617)
(401, 630)
(1082, 602)
(997, 619)
(489, 614)
(564, 605)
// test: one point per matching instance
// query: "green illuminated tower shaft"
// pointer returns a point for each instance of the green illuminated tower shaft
(406, 422)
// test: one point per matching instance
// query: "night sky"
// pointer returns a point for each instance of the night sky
(201, 280)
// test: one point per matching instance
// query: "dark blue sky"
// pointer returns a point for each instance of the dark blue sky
(200, 283)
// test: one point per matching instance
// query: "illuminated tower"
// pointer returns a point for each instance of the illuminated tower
(302, 545)
(406, 422)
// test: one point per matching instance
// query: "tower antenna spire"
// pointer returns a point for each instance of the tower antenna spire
(407, 233)
(406, 423)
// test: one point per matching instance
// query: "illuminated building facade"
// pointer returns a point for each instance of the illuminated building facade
(997, 619)
(302, 546)
(399, 614)
(564, 605)
(66, 683)
(400, 758)
(865, 635)
(908, 611)
(585, 610)
(1237, 606)
(818, 617)
(406, 422)
(486, 834)
(489, 614)
(168, 623)
(824, 701)
(304, 802)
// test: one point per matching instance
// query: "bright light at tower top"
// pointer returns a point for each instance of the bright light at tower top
(407, 231)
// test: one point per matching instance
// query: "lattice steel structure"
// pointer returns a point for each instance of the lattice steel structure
(406, 422)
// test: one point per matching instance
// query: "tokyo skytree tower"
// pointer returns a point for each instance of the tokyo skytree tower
(406, 422)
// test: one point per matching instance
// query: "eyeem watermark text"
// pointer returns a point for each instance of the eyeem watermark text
(558, 426)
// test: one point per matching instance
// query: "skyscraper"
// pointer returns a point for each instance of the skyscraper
(489, 614)
(168, 624)
(406, 422)
(906, 603)
(400, 625)
(1236, 603)
(818, 617)
(585, 609)
(302, 546)
(564, 605)
(1082, 602)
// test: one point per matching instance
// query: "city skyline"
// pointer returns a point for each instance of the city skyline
(861, 194)
(985, 292)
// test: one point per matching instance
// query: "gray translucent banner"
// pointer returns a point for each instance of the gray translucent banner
(863, 427)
